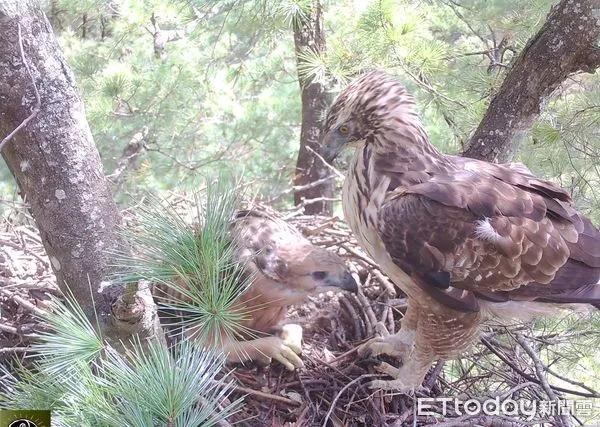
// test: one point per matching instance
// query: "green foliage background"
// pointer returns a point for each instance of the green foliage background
(226, 93)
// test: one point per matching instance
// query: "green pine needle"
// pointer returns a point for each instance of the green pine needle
(294, 12)
(181, 385)
(194, 261)
(150, 386)
(72, 338)
(311, 66)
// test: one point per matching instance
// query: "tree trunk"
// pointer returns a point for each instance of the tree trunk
(309, 35)
(566, 43)
(58, 169)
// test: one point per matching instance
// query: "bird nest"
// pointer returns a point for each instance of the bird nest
(515, 362)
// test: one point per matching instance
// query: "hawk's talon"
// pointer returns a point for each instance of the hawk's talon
(392, 345)
(275, 348)
(386, 368)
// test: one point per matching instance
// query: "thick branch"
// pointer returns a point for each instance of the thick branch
(566, 43)
(58, 169)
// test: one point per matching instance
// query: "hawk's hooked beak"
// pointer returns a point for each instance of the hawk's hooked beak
(332, 145)
(345, 282)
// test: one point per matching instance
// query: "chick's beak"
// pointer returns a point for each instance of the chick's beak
(345, 282)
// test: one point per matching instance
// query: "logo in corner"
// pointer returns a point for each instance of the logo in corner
(22, 423)
(24, 418)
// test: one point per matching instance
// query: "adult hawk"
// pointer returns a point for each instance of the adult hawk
(466, 240)
(285, 268)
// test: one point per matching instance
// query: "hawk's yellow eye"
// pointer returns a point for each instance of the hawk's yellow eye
(344, 130)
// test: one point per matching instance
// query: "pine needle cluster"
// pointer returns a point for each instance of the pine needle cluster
(87, 382)
(189, 255)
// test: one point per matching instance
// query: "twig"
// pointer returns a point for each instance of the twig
(539, 370)
(23, 302)
(361, 256)
(300, 207)
(9, 329)
(14, 350)
(516, 388)
(327, 165)
(38, 103)
(16, 331)
(389, 286)
(391, 327)
(266, 395)
(370, 318)
(344, 355)
(296, 188)
(345, 302)
(571, 381)
(531, 377)
(342, 390)
(31, 234)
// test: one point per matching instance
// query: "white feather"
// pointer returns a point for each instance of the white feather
(485, 231)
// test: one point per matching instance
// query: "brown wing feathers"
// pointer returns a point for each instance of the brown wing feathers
(544, 250)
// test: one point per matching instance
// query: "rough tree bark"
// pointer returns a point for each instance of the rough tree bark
(309, 35)
(58, 170)
(566, 43)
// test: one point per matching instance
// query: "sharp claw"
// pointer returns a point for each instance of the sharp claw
(289, 366)
(369, 361)
(386, 368)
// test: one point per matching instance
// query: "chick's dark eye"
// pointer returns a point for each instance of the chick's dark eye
(319, 275)
(343, 129)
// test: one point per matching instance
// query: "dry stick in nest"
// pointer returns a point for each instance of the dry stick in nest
(22, 330)
(344, 355)
(342, 390)
(305, 202)
(539, 370)
(363, 257)
(300, 188)
(302, 386)
(26, 251)
(307, 231)
(347, 378)
(22, 302)
(348, 306)
(369, 318)
(366, 306)
(389, 286)
(14, 350)
(35, 237)
(391, 324)
(270, 396)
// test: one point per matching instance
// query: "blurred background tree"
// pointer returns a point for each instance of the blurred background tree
(176, 90)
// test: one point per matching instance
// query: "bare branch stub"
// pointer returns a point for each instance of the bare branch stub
(38, 103)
